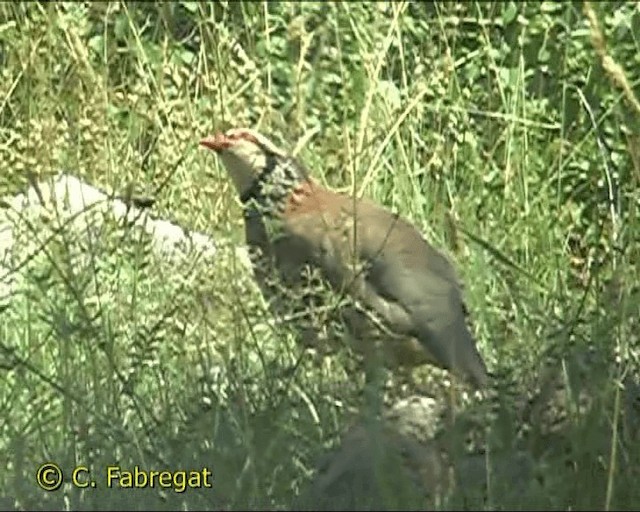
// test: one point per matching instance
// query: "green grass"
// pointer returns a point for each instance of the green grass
(496, 118)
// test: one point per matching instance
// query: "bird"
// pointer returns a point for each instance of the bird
(397, 288)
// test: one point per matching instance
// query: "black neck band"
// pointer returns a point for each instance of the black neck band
(254, 190)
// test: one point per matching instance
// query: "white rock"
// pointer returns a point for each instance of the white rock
(80, 207)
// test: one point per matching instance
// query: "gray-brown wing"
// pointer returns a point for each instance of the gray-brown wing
(415, 289)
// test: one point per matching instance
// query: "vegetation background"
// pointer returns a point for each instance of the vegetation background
(517, 123)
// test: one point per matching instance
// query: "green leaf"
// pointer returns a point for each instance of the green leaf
(121, 27)
(187, 57)
(7, 26)
(390, 93)
(192, 7)
(510, 13)
(96, 43)
(543, 54)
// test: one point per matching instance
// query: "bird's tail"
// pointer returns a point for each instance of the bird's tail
(454, 348)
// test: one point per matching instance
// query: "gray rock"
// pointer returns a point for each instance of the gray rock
(388, 464)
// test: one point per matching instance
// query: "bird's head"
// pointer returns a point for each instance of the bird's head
(247, 155)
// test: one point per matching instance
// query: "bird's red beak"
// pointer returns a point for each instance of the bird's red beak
(217, 142)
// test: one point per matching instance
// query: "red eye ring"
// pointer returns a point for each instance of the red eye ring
(240, 134)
